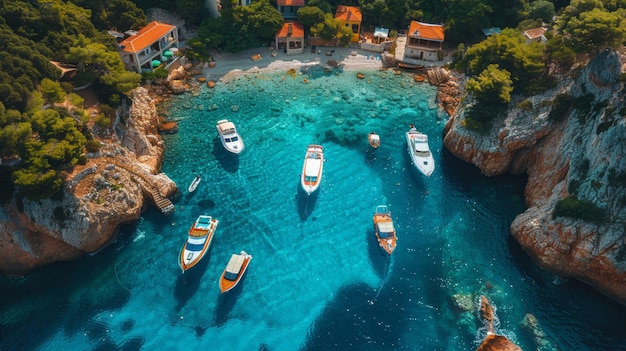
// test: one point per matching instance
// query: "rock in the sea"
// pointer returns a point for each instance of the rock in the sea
(578, 155)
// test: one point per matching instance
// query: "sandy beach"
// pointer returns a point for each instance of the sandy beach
(228, 65)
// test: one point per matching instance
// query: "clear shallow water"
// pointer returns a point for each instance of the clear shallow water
(317, 281)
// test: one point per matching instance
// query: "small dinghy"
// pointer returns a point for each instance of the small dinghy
(374, 140)
(194, 184)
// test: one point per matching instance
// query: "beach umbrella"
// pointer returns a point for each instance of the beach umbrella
(168, 54)
(156, 63)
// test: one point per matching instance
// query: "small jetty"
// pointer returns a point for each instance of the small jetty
(164, 204)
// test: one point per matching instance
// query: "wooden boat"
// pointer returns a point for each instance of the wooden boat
(409, 66)
(228, 135)
(384, 229)
(374, 140)
(198, 241)
(421, 157)
(234, 271)
(312, 168)
(194, 183)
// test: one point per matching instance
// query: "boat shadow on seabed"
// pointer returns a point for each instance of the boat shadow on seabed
(188, 283)
(305, 203)
(226, 302)
(228, 161)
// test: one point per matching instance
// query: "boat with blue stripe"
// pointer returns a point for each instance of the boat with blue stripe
(198, 241)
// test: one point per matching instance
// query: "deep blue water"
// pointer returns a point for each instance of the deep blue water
(317, 281)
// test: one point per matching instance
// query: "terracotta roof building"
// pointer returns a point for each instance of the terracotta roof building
(290, 38)
(424, 41)
(535, 34)
(289, 8)
(155, 42)
(351, 17)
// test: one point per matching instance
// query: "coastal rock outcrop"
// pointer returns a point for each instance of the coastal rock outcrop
(110, 190)
(580, 155)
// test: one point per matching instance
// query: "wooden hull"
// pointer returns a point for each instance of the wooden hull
(227, 284)
(197, 244)
(385, 231)
(409, 66)
(186, 264)
(374, 140)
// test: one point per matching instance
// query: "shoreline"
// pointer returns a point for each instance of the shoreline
(228, 65)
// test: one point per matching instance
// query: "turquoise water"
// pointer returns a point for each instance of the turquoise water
(317, 281)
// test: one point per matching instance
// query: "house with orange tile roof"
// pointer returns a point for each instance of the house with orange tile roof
(424, 41)
(290, 38)
(150, 47)
(535, 35)
(289, 8)
(351, 17)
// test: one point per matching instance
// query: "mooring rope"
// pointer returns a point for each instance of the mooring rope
(118, 278)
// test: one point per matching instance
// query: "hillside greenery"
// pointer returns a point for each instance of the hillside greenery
(43, 125)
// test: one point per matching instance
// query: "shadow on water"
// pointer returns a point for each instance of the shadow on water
(227, 301)
(378, 256)
(97, 279)
(228, 161)
(188, 283)
(370, 321)
(305, 202)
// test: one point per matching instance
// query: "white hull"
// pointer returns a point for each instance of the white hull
(312, 169)
(230, 138)
(419, 152)
(194, 184)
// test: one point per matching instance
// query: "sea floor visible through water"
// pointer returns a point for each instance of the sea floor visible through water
(317, 280)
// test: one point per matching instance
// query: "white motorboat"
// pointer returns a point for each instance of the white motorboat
(419, 151)
(194, 183)
(198, 241)
(312, 168)
(228, 135)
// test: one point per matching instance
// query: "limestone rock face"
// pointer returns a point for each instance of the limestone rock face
(97, 198)
(580, 155)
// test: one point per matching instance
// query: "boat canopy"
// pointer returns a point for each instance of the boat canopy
(234, 266)
(227, 128)
(385, 229)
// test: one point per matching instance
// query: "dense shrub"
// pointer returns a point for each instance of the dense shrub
(561, 106)
(92, 145)
(579, 209)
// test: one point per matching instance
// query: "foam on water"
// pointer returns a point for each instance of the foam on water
(318, 280)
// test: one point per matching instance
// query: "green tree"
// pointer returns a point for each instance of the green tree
(510, 51)
(493, 86)
(328, 29)
(466, 18)
(595, 29)
(309, 16)
(52, 91)
(541, 9)
(37, 183)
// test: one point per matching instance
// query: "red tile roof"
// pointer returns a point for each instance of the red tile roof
(348, 14)
(534, 33)
(297, 30)
(426, 31)
(290, 2)
(146, 36)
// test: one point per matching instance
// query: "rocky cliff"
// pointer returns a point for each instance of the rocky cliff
(110, 190)
(578, 155)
